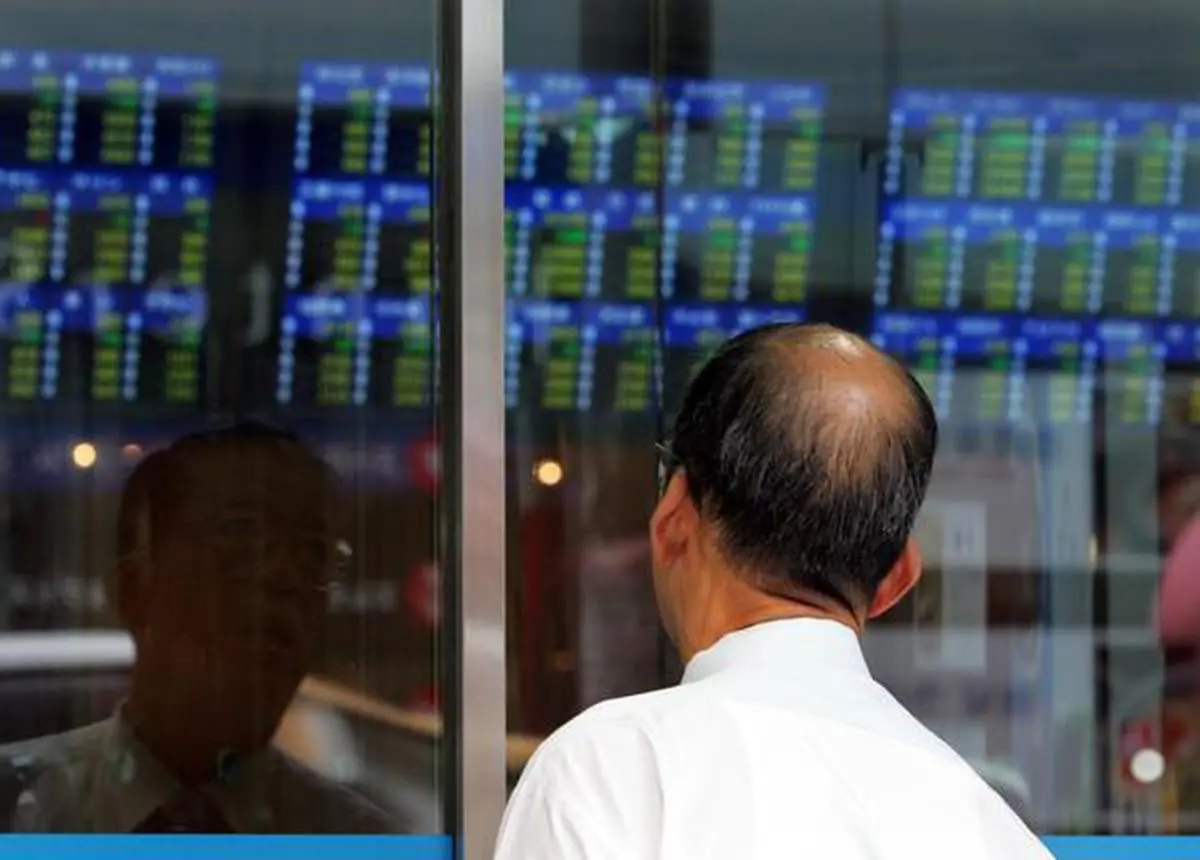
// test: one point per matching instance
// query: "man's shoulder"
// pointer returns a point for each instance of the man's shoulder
(46, 773)
(612, 736)
(55, 750)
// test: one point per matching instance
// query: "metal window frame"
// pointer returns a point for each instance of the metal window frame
(469, 215)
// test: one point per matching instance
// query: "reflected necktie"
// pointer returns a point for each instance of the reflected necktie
(189, 812)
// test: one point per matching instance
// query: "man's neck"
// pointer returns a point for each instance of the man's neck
(742, 606)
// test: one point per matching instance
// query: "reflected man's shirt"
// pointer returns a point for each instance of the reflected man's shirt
(777, 745)
(101, 779)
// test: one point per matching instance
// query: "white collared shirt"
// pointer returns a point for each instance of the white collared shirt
(101, 779)
(778, 744)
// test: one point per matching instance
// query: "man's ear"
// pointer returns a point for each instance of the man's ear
(900, 580)
(668, 523)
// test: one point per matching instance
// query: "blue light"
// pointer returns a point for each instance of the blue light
(1122, 847)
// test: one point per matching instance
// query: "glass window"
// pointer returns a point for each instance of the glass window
(212, 214)
(1001, 195)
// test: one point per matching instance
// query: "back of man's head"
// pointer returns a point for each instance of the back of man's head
(809, 452)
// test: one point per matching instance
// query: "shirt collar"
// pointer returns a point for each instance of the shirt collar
(131, 784)
(786, 647)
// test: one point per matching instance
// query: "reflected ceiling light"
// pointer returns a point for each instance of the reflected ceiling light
(132, 451)
(1147, 766)
(548, 473)
(83, 455)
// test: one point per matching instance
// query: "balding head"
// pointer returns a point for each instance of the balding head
(809, 452)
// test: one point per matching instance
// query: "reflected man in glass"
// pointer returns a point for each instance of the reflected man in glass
(228, 542)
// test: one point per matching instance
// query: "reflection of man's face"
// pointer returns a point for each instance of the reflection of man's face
(237, 596)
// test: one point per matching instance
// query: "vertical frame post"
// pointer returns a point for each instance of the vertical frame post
(469, 209)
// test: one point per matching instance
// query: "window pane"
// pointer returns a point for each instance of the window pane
(1001, 196)
(212, 214)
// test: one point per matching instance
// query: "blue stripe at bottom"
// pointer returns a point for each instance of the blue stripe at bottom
(441, 847)
(1123, 847)
(229, 847)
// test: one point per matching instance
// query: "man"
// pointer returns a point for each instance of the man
(799, 461)
(227, 542)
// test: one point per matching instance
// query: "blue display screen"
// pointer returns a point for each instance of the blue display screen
(572, 129)
(1069, 225)
(1041, 370)
(105, 215)
(107, 110)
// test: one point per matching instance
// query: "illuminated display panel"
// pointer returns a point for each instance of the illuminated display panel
(358, 120)
(1133, 271)
(401, 353)
(24, 329)
(1066, 263)
(136, 246)
(1133, 357)
(582, 356)
(354, 350)
(1061, 359)
(1057, 150)
(324, 352)
(106, 279)
(967, 364)
(589, 248)
(733, 135)
(1184, 185)
(177, 215)
(571, 130)
(96, 110)
(26, 227)
(578, 130)
(691, 333)
(915, 268)
(551, 364)
(104, 225)
(724, 248)
(1181, 359)
(930, 127)
(984, 369)
(1042, 260)
(1078, 151)
(70, 345)
(163, 359)
(579, 243)
(114, 229)
(399, 248)
(1181, 264)
(1144, 152)
(124, 111)
(104, 345)
(101, 215)
(791, 127)
(327, 237)
(345, 236)
(31, 109)
(558, 244)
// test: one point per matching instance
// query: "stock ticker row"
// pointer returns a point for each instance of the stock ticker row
(1048, 245)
